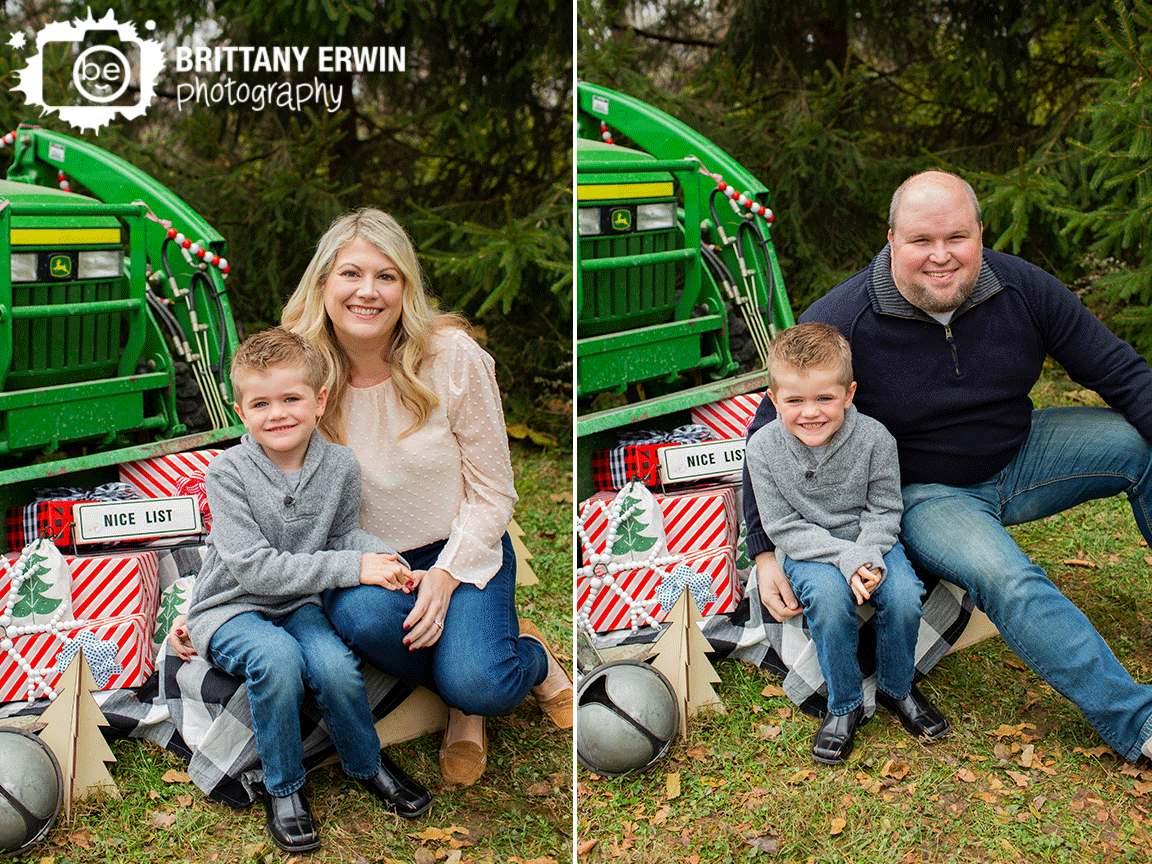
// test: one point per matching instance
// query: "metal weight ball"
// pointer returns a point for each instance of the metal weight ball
(31, 790)
(627, 718)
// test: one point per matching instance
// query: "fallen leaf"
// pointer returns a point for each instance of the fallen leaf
(662, 814)
(672, 786)
(1142, 788)
(585, 847)
(560, 497)
(772, 690)
(163, 820)
(838, 825)
(81, 838)
(424, 855)
(768, 733)
(454, 857)
(540, 790)
(174, 776)
(184, 800)
(1102, 750)
(966, 775)
(1026, 755)
(784, 713)
(1006, 731)
(769, 843)
(1020, 780)
(802, 776)
(895, 770)
(1079, 562)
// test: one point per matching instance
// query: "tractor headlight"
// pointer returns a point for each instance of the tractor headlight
(653, 217)
(23, 266)
(100, 264)
(589, 221)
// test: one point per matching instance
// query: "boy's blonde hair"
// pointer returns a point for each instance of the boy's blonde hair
(277, 348)
(411, 342)
(810, 346)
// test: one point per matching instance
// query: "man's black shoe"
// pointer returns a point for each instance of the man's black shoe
(289, 821)
(836, 735)
(916, 713)
(397, 790)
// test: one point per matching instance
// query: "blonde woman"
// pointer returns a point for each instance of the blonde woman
(416, 399)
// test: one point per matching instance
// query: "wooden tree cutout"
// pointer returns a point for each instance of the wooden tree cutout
(679, 653)
(73, 733)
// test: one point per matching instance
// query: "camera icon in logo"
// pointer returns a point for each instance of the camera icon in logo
(100, 69)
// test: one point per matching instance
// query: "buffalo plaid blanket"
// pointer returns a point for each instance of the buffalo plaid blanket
(750, 634)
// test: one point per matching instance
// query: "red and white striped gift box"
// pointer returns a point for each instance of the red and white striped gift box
(130, 633)
(173, 474)
(728, 418)
(693, 519)
(108, 586)
(610, 611)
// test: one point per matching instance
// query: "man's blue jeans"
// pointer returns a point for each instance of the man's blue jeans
(281, 657)
(1071, 455)
(479, 665)
(830, 608)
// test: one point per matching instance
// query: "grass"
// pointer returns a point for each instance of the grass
(521, 810)
(1022, 776)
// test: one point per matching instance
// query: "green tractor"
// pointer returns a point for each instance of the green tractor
(679, 289)
(115, 327)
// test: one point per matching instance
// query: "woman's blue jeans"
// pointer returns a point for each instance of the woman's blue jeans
(830, 609)
(1071, 455)
(281, 658)
(479, 665)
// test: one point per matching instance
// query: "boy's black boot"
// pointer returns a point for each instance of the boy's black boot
(916, 713)
(836, 735)
(289, 821)
(397, 790)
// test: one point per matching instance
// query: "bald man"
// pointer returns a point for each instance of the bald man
(948, 339)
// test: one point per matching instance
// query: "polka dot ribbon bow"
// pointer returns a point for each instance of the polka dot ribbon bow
(672, 586)
(100, 654)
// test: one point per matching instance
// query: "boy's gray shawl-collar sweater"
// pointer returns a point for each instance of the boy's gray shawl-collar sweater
(272, 549)
(844, 510)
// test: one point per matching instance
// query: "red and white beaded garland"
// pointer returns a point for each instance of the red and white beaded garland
(199, 250)
(740, 199)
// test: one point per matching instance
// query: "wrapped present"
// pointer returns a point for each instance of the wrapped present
(728, 418)
(637, 456)
(694, 519)
(107, 586)
(636, 594)
(171, 475)
(175, 601)
(118, 651)
(50, 516)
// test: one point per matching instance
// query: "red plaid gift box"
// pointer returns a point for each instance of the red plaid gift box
(613, 469)
(49, 519)
(127, 636)
(694, 519)
(610, 611)
(728, 418)
(170, 475)
(107, 586)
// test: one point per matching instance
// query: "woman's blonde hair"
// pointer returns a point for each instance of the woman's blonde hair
(305, 314)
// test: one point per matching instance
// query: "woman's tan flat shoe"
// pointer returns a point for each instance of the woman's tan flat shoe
(463, 762)
(554, 693)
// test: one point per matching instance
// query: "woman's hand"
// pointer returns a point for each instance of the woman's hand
(179, 639)
(425, 622)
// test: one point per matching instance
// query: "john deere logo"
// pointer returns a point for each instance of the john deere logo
(60, 266)
(622, 219)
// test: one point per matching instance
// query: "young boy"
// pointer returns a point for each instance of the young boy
(285, 506)
(827, 483)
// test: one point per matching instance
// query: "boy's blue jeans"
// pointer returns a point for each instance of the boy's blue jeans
(1070, 456)
(830, 608)
(479, 665)
(280, 659)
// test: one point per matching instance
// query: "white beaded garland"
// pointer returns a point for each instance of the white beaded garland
(601, 570)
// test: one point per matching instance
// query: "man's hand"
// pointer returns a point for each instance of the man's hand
(775, 592)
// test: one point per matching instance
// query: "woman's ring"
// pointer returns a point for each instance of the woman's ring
(439, 624)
